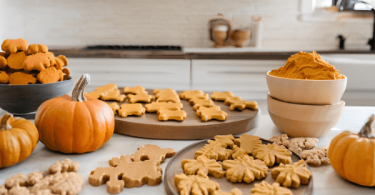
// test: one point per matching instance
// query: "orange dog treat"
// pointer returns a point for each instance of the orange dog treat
(3, 62)
(4, 78)
(39, 61)
(168, 98)
(52, 59)
(140, 98)
(201, 102)
(228, 101)
(221, 96)
(20, 78)
(115, 107)
(207, 109)
(107, 87)
(242, 104)
(153, 152)
(155, 106)
(16, 60)
(166, 93)
(126, 173)
(131, 109)
(14, 45)
(209, 114)
(135, 90)
(188, 94)
(50, 75)
(66, 71)
(166, 114)
(61, 61)
(113, 95)
(156, 91)
(36, 48)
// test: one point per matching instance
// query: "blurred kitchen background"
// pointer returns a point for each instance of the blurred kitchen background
(128, 31)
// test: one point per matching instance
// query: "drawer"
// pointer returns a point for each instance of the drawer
(151, 74)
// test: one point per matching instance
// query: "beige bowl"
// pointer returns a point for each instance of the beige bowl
(299, 120)
(320, 92)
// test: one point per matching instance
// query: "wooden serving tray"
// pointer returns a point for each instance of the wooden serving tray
(148, 125)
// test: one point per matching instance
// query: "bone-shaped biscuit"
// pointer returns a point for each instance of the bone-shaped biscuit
(221, 96)
(131, 109)
(140, 98)
(16, 60)
(152, 152)
(14, 45)
(36, 48)
(135, 90)
(3, 62)
(209, 114)
(205, 109)
(228, 101)
(201, 102)
(107, 87)
(113, 95)
(156, 91)
(39, 61)
(188, 94)
(115, 107)
(242, 104)
(166, 93)
(155, 106)
(168, 98)
(166, 114)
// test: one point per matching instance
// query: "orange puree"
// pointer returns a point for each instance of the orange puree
(307, 66)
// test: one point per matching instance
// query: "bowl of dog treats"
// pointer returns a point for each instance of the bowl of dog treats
(30, 75)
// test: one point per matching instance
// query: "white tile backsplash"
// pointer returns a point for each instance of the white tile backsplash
(71, 23)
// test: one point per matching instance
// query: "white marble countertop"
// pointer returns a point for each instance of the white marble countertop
(326, 180)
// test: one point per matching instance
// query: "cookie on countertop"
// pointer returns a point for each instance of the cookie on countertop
(152, 152)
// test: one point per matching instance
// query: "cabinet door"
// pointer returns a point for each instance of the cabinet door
(245, 78)
(150, 73)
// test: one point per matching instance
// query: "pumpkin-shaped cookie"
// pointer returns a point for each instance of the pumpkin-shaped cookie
(75, 124)
(19, 138)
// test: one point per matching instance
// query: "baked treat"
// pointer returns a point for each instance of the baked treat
(296, 145)
(202, 166)
(14, 45)
(280, 139)
(126, 173)
(18, 179)
(113, 95)
(214, 150)
(266, 189)
(234, 191)
(195, 184)
(242, 104)
(16, 60)
(152, 152)
(3, 190)
(316, 156)
(238, 152)
(50, 75)
(166, 114)
(66, 165)
(61, 61)
(102, 89)
(168, 98)
(248, 142)
(18, 190)
(156, 91)
(66, 71)
(4, 77)
(135, 90)
(291, 175)
(188, 94)
(196, 102)
(245, 169)
(3, 62)
(228, 100)
(155, 106)
(140, 98)
(227, 139)
(131, 109)
(34, 177)
(272, 153)
(20, 78)
(39, 62)
(36, 48)
(167, 93)
(115, 107)
(210, 113)
(221, 96)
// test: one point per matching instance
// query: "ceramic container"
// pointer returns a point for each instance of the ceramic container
(320, 92)
(240, 37)
(25, 99)
(219, 37)
(298, 120)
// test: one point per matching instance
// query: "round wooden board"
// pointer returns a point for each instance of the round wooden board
(148, 125)
(174, 168)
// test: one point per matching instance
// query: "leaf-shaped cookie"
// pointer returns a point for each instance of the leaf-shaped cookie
(245, 169)
(238, 152)
(248, 142)
(195, 184)
(292, 175)
(265, 188)
(202, 166)
(214, 150)
(272, 152)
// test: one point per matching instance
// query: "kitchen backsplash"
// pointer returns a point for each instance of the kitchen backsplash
(72, 23)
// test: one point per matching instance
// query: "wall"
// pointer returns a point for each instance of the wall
(71, 23)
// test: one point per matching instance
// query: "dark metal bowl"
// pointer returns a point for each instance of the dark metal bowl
(25, 99)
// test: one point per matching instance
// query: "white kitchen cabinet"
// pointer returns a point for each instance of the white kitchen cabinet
(150, 73)
(245, 78)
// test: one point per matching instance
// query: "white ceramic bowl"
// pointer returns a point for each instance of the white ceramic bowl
(319, 92)
(298, 120)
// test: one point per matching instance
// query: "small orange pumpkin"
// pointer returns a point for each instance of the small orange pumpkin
(18, 139)
(353, 155)
(76, 124)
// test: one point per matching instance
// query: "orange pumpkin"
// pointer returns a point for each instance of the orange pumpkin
(353, 155)
(76, 124)
(18, 139)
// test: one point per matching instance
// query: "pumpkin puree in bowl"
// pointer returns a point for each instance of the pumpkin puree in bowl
(307, 66)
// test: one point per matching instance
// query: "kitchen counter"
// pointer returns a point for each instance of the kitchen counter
(195, 53)
(326, 180)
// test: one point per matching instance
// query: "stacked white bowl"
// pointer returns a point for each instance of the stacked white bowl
(305, 108)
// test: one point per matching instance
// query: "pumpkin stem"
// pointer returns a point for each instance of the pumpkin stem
(366, 130)
(4, 122)
(79, 88)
